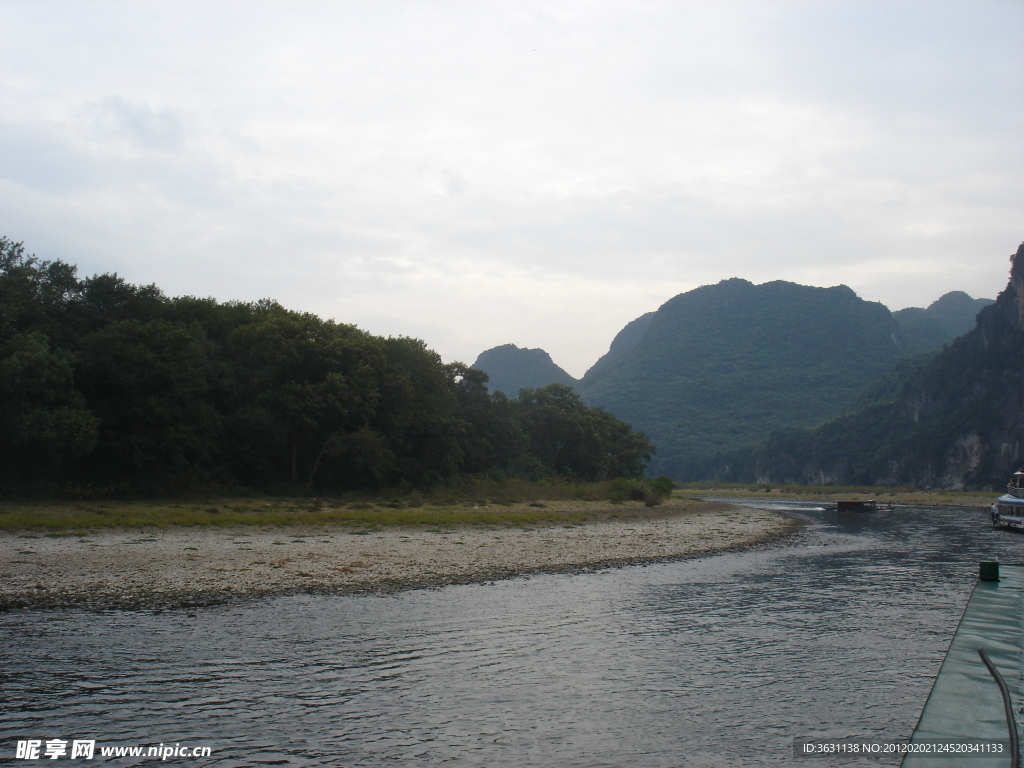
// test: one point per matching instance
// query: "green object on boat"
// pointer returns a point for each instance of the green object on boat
(988, 571)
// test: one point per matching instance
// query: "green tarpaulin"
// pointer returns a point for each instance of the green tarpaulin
(965, 702)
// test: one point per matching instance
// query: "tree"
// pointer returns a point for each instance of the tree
(494, 441)
(147, 382)
(108, 298)
(43, 417)
(312, 385)
(34, 294)
(573, 440)
(626, 453)
(417, 414)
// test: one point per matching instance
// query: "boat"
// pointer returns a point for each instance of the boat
(1008, 509)
(969, 716)
(860, 506)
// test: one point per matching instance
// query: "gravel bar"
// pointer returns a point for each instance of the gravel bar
(156, 569)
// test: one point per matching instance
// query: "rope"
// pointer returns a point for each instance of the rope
(1008, 706)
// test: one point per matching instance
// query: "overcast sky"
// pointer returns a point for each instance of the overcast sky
(479, 173)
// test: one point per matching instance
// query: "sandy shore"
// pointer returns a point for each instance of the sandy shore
(198, 566)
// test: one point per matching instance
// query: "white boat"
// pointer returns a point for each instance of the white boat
(1008, 510)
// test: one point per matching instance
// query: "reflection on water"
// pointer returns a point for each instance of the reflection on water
(713, 662)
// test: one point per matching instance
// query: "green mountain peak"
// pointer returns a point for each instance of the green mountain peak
(726, 364)
(510, 368)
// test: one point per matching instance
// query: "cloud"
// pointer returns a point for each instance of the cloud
(478, 173)
(138, 125)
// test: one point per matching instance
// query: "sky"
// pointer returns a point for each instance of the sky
(538, 173)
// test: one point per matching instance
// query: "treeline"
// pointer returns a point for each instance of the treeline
(116, 385)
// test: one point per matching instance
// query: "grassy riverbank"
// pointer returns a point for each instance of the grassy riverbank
(57, 517)
(829, 493)
(504, 504)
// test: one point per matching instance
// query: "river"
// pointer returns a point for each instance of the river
(721, 661)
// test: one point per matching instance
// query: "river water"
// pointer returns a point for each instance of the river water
(706, 663)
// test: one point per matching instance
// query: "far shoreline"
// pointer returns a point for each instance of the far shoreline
(883, 495)
(169, 569)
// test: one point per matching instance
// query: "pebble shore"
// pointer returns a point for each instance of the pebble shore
(174, 568)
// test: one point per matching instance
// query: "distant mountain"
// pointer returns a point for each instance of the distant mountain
(945, 319)
(511, 369)
(725, 365)
(954, 421)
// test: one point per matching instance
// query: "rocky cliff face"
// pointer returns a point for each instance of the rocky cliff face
(956, 422)
(1017, 283)
(972, 396)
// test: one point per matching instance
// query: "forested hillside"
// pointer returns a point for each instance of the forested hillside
(510, 369)
(717, 379)
(946, 318)
(105, 384)
(623, 342)
(956, 421)
(725, 365)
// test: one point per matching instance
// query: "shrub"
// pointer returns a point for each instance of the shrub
(630, 489)
(663, 486)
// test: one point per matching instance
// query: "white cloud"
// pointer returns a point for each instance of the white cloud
(481, 173)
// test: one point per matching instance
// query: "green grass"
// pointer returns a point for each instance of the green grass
(60, 517)
(897, 494)
(480, 503)
(819, 490)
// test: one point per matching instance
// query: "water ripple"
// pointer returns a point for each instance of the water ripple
(712, 662)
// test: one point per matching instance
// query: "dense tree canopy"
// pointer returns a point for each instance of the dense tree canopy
(112, 384)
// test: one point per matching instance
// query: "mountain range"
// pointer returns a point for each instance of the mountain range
(947, 318)
(724, 366)
(954, 421)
